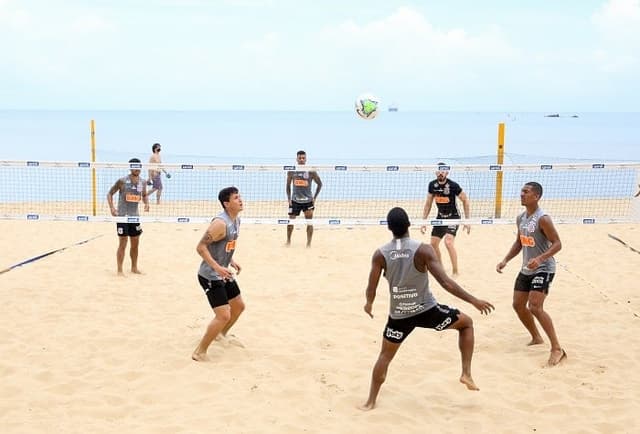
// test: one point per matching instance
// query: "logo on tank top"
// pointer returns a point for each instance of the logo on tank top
(446, 191)
(531, 227)
(402, 254)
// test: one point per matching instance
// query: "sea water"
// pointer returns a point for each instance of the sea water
(327, 137)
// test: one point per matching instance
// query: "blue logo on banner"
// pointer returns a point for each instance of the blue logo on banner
(334, 221)
(589, 221)
(237, 167)
(133, 220)
(135, 165)
(82, 218)
(288, 167)
(495, 167)
(183, 219)
(393, 168)
(283, 221)
(84, 164)
(33, 216)
(486, 221)
(546, 166)
(341, 168)
(187, 166)
(444, 167)
(382, 222)
(33, 163)
(597, 166)
(436, 222)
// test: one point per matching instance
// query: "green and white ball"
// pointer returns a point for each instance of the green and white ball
(367, 106)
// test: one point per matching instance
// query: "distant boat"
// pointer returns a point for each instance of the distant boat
(557, 115)
(393, 108)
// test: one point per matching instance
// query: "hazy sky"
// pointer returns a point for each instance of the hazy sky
(468, 55)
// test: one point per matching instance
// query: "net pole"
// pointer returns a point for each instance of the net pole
(500, 156)
(94, 198)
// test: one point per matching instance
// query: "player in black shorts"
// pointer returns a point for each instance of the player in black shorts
(300, 196)
(406, 264)
(444, 192)
(132, 190)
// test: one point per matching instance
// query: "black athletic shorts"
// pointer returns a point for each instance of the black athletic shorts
(219, 292)
(440, 231)
(296, 207)
(129, 229)
(438, 318)
(534, 282)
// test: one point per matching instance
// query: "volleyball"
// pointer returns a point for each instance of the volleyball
(367, 106)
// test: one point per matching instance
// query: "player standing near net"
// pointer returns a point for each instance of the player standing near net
(539, 241)
(445, 191)
(406, 263)
(299, 195)
(216, 248)
(131, 190)
(155, 175)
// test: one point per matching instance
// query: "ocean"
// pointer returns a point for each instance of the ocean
(340, 137)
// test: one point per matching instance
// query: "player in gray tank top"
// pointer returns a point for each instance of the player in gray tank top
(406, 263)
(299, 195)
(216, 248)
(131, 191)
(539, 241)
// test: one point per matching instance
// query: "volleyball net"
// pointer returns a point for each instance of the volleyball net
(350, 195)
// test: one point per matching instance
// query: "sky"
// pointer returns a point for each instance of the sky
(453, 55)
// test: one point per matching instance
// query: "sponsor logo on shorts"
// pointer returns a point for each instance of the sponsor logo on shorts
(537, 281)
(443, 324)
(393, 334)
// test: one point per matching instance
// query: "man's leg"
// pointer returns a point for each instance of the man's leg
(379, 374)
(308, 214)
(133, 252)
(122, 245)
(290, 229)
(520, 299)
(536, 306)
(237, 307)
(466, 341)
(222, 314)
(449, 241)
(435, 243)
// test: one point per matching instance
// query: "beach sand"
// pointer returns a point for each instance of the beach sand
(83, 350)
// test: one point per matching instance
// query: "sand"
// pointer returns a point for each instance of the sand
(83, 350)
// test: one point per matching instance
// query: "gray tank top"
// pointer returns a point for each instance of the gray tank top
(408, 288)
(129, 197)
(221, 251)
(534, 243)
(301, 187)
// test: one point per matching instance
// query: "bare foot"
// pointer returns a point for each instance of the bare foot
(121, 274)
(136, 271)
(536, 341)
(468, 381)
(556, 357)
(367, 406)
(200, 357)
